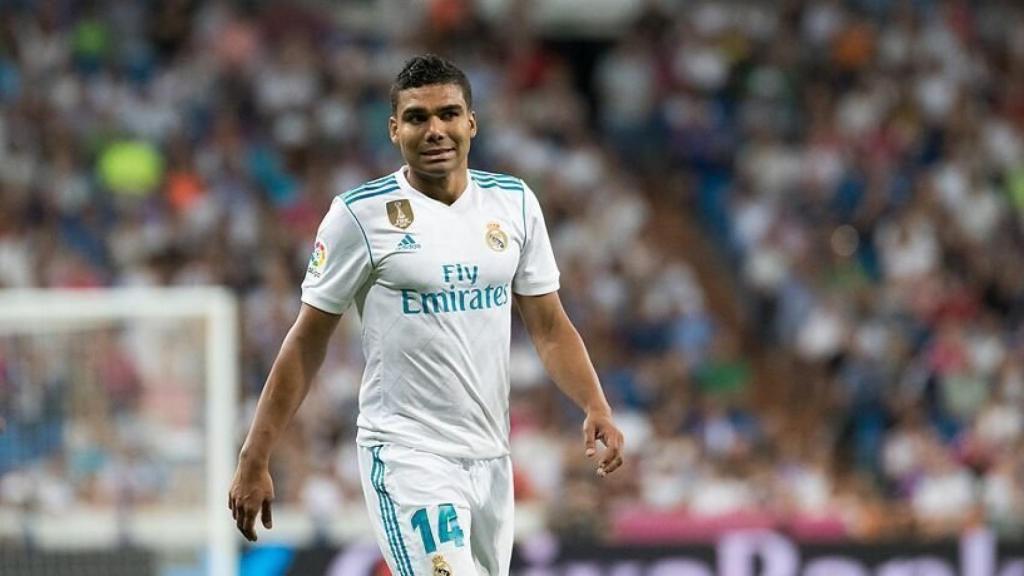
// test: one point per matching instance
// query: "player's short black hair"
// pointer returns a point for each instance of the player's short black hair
(427, 70)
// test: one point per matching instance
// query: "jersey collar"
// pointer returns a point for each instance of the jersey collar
(408, 188)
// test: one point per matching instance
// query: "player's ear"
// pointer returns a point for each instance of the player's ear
(393, 130)
(472, 124)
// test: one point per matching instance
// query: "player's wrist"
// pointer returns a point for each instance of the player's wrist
(598, 409)
(253, 458)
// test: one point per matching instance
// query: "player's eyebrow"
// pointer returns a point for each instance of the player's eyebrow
(423, 110)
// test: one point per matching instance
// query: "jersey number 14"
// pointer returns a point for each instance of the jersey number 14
(447, 527)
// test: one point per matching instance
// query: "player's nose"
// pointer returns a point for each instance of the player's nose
(435, 127)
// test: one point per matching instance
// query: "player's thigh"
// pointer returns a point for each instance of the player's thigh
(421, 519)
(493, 529)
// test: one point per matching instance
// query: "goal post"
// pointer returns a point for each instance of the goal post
(45, 314)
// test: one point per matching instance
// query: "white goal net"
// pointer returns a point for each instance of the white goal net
(117, 417)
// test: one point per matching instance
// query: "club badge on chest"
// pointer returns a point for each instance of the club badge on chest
(496, 238)
(441, 567)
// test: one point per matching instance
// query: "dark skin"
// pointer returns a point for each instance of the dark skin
(433, 128)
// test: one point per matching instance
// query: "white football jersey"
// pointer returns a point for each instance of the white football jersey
(433, 286)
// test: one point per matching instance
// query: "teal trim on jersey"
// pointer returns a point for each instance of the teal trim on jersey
(389, 528)
(376, 478)
(509, 179)
(365, 239)
(398, 546)
(502, 182)
(508, 182)
(496, 178)
(398, 543)
(369, 194)
(500, 186)
(505, 180)
(484, 174)
(379, 180)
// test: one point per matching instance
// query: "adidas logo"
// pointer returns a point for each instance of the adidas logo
(408, 243)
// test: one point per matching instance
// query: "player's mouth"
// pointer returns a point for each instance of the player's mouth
(438, 154)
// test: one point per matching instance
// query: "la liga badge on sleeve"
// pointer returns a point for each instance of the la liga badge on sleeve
(318, 259)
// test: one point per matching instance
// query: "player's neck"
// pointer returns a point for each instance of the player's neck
(445, 189)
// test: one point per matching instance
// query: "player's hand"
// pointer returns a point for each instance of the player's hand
(599, 426)
(251, 494)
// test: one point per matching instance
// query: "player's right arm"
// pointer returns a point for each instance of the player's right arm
(301, 355)
(339, 266)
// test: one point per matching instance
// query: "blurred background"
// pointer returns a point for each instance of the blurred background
(790, 234)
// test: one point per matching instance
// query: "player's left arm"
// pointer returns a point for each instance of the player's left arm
(565, 357)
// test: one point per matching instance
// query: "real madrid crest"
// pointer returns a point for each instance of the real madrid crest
(441, 567)
(400, 213)
(496, 237)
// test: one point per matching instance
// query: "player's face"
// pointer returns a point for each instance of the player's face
(432, 127)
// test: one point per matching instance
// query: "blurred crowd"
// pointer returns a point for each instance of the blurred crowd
(857, 167)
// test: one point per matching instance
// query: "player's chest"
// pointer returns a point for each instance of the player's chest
(439, 249)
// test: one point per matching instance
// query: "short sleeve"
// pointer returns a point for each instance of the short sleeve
(537, 272)
(340, 262)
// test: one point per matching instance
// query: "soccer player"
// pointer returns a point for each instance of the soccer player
(433, 256)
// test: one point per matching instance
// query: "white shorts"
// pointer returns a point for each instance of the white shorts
(438, 516)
